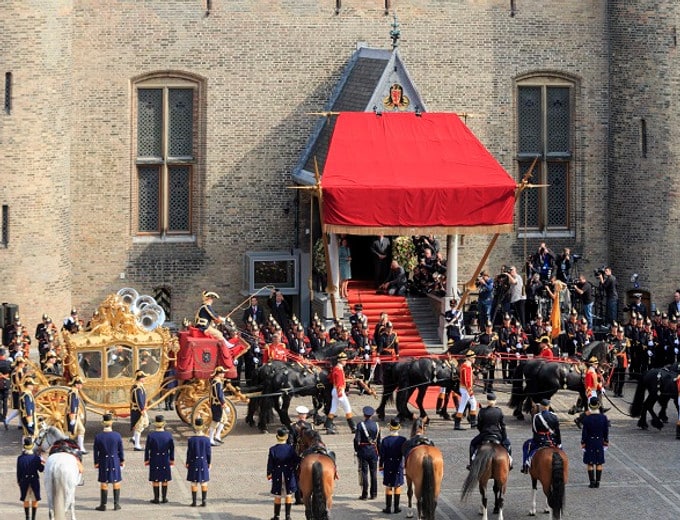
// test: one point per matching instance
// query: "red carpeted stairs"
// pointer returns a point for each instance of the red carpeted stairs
(410, 342)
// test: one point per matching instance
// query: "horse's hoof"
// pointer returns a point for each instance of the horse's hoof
(409, 514)
(546, 511)
(532, 513)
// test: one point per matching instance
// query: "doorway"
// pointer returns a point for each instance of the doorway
(362, 258)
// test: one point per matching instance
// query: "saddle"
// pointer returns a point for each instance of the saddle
(318, 449)
(67, 446)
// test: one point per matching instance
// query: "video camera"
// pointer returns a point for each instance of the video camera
(599, 271)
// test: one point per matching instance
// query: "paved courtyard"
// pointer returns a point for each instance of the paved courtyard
(641, 477)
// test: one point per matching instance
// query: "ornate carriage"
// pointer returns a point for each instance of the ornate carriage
(124, 336)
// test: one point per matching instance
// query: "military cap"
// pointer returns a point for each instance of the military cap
(545, 403)
(342, 355)
(573, 312)
(140, 374)
(368, 411)
(388, 325)
(395, 424)
(491, 397)
(282, 434)
(210, 294)
(470, 354)
(218, 371)
(358, 307)
(76, 381)
(545, 339)
(302, 410)
(28, 381)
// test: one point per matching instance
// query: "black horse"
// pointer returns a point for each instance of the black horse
(414, 374)
(537, 379)
(279, 382)
(660, 386)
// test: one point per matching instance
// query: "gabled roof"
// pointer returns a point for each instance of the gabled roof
(362, 87)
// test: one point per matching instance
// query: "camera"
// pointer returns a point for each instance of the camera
(599, 271)
(505, 269)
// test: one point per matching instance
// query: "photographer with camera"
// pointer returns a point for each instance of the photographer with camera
(485, 299)
(564, 263)
(543, 262)
(517, 295)
(585, 295)
(611, 295)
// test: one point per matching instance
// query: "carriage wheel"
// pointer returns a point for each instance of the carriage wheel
(186, 398)
(51, 402)
(202, 409)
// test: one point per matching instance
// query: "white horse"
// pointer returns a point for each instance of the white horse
(62, 475)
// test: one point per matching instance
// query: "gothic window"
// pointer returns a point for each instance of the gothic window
(166, 160)
(545, 135)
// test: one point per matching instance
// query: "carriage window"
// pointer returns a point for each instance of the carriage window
(119, 361)
(149, 360)
(90, 364)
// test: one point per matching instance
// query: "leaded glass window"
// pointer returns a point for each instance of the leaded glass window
(166, 142)
(545, 134)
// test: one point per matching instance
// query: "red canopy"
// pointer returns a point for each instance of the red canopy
(399, 173)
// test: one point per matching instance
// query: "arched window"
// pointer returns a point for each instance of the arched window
(545, 133)
(166, 141)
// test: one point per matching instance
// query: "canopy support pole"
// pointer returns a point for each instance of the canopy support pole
(451, 279)
(331, 288)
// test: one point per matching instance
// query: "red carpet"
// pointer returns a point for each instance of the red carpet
(410, 342)
(430, 401)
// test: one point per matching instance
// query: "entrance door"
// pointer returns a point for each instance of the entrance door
(362, 258)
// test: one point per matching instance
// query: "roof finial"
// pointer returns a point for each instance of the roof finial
(395, 33)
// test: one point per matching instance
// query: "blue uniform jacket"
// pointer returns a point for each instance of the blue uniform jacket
(159, 454)
(199, 457)
(281, 465)
(205, 316)
(28, 467)
(73, 407)
(392, 460)
(367, 440)
(27, 405)
(137, 403)
(216, 399)
(108, 456)
(594, 437)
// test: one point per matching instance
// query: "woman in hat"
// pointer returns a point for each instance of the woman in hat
(76, 426)
(108, 459)
(27, 408)
(392, 465)
(281, 464)
(139, 419)
(28, 467)
(594, 441)
(159, 455)
(198, 461)
(16, 387)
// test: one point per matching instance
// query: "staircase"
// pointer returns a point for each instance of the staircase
(398, 309)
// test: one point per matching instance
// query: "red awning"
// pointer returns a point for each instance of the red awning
(399, 173)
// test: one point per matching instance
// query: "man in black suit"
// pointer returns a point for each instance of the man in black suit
(381, 249)
(254, 313)
(674, 306)
(279, 310)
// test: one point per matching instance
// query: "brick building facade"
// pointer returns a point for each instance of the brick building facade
(78, 141)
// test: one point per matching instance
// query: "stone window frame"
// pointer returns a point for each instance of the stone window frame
(167, 80)
(545, 80)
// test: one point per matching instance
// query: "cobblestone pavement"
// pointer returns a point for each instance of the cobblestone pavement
(641, 477)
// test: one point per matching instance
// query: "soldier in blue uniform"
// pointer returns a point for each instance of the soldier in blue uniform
(366, 446)
(491, 426)
(546, 428)
(594, 441)
(199, 457)
(139, 419)
(75, 422)
(159, 455)
(28, 467)
(27, 408)
(109, 459)
(392, 465)
(281, 464)
(217, 405)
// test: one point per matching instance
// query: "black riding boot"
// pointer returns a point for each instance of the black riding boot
(103, 498)
(204, 496)
(164, 493)
(330, 427)
(289, 506)
(591, 476)
(116, 499)
(156, 494)
(598, 476)
(456, 423)
(193, 498)
(277, 511)
(397, 496)
(352, 426)
(26, 510)
(34, 511)
(388, 504)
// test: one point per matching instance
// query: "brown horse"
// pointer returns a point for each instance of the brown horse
(491, 462)
(317, 477)
(424, 470)
(550, 465)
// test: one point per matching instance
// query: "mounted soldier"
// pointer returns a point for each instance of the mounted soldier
(491, 428)
(546, 428)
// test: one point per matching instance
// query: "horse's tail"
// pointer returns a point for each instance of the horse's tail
(54, 488)
(517, 396)
(318, 496)
(556, 491)
(429, 503)
(482, 460)
(638, 400)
